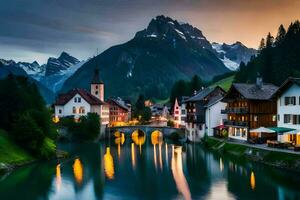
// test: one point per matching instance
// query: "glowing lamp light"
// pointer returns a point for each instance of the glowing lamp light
(109, 164)
(252, 181)
(78, 171)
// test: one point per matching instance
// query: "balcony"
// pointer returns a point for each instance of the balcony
(235, 123)
(237, 110)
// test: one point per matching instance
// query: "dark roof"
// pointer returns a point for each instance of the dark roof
(286, 85)
(96, 78)
(254, 92)
(118, 103)
(65, 98)
(214, 100)
(201, 94)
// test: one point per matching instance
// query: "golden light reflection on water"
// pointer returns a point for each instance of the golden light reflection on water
(252, 181)
(177, 171)
(139, 138)
(167, 155)
(133, 154)
(58, 177)
(160, 156)
(109, 164)
(120, 140)
(78, 171)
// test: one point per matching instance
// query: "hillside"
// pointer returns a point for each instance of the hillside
(278, 58)
(152, 61)
(224, 83)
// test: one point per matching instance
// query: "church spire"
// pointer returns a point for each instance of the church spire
(96, 78)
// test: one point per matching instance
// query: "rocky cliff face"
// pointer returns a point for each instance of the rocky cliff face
(152, 61)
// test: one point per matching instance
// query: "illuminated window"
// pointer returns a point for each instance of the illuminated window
(274, 118)
(255, 118)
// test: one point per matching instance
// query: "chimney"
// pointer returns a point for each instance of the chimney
(259, 81)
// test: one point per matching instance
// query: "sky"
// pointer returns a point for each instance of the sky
(37, 29)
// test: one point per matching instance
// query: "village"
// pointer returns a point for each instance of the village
(259, 113)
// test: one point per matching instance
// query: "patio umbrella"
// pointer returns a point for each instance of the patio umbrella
(262, 130)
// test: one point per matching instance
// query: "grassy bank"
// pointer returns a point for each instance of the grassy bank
(277, 159)
(224, 83)
(11, 154)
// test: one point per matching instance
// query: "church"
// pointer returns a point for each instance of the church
(78, 102)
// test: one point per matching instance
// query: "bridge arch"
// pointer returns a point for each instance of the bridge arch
(156, 137)
(138, 137)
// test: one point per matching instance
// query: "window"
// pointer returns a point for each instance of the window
(96, 86)
(183, 112)
(96, 93)
(59, 111)
(290, 100)
(274, 118)
(287, 119)
(74, 110)
(255, 118)
(81, 110)
(77, 99)
(278, 117)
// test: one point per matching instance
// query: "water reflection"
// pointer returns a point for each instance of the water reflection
(58, 177)
(109, 164)
(177, 171)
(193, 172)
(252, 180)
(78, 171)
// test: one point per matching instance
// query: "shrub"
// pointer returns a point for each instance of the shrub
(27, 133)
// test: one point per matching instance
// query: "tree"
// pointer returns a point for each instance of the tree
(280, 35)
(269, 40)
(262, 44)
(27, 133)
(195, 84)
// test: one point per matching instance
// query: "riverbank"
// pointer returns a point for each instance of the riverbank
(12, 156)
(283, 160)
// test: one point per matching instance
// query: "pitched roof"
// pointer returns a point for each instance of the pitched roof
(254, 92)
(201, 94)
(214, 100)
(65, 98)
(290, 81)
(119, 103)
(96, 79)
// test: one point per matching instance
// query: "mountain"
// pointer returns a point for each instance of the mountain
(233, 54)
(49, 77)
(11, 67)
(152, 61)
(60, 64)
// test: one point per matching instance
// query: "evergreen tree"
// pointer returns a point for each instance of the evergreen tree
(280, 35)
(262, 44)
(195, 84)
(269, 40)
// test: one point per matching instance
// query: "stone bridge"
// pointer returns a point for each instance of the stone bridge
(128, 130)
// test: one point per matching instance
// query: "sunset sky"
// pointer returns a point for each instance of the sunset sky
(36, 29)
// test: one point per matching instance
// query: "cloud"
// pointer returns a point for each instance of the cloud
(82, 26)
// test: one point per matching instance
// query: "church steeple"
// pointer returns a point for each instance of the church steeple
(97, 86)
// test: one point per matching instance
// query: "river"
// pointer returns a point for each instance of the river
(147, 168)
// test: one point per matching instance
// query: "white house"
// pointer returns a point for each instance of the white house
(213, 115)
(203, 113)
(78, 102)
(288, 110)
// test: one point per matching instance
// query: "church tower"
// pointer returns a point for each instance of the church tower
(97, 86)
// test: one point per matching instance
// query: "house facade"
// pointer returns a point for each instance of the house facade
(196, 124)
(288, 110)
(119, 112)
(249, 106)
(213, 116)
(180, 112)
(78, 102)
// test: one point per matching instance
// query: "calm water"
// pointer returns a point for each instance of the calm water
(145, 169)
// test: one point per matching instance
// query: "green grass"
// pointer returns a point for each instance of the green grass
(10, 152)
(161, 101)
(224, 83)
